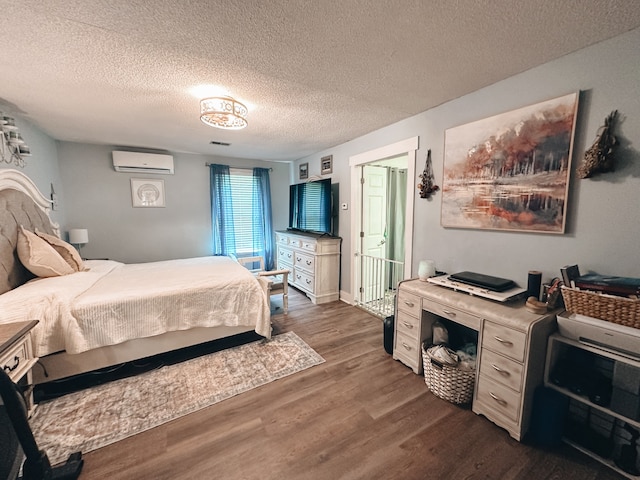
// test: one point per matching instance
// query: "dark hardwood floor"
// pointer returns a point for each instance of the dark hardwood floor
(360, 415)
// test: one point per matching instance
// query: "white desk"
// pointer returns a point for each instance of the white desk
(511, 346)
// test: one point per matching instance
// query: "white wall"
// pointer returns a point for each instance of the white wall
(99, 198)
(603, 221)
(42, 166)
(603, 218)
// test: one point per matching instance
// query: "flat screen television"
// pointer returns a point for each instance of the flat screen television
(310, 206)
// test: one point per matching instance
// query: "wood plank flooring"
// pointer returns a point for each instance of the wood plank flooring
(360, 415)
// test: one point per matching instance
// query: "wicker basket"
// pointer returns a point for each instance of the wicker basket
(620, 310)
(447, 382)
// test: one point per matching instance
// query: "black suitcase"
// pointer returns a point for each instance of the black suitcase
(389, 324)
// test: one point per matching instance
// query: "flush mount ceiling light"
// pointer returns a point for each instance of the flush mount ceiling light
(223, 112)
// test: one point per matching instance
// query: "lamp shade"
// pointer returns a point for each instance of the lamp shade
(79, 236)
(223, 112)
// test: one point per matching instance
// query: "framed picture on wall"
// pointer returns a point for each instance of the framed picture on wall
(511, 171)
(147, 192)
(304, 171)
(326, 164)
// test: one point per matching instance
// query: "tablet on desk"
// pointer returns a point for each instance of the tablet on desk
(495, 284)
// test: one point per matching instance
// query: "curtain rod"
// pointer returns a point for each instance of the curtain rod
(239, 168)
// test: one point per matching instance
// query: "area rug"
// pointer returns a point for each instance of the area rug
(89, 419)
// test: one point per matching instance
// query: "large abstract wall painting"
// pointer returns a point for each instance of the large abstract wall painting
(511, 171)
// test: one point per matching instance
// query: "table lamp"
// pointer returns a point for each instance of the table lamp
(78, 237)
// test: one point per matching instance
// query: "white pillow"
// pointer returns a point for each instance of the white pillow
(66, 251)
(39, 257)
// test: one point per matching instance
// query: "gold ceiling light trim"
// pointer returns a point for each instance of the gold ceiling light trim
(223, 112)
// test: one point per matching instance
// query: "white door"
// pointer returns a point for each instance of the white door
(374, 220)
(398, 155)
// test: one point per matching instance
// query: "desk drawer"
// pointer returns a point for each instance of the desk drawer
(498, 398)
(505, 341)
(409, 303)
(407, 350)
(453, 314)
(17, 360)
(501, 369)
(408, 325)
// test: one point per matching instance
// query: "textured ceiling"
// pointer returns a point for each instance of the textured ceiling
(314, 73)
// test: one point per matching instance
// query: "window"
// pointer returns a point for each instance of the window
(242, 190)
(241, 212)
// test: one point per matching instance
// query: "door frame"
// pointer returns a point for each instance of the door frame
(407, 147)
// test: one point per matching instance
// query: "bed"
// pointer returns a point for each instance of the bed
(104, 312)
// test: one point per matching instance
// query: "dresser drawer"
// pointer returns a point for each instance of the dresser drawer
(303, 280)
(409, 303)
(17, 360)
(282, 239)
(498, 398)
(504, 340)
(304, 262)
(501, 369)
(453, 314)
(309, 245)
(408, 325)
(285, 256)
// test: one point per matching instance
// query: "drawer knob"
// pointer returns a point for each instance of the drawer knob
(503, 341)
(407, 324)
(408, 303)
(408, 347)
(498, 399)
(450, 313)
(500, 371)
(308, 262)
(16, 361)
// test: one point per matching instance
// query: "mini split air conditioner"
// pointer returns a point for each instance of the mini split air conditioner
(137, 162)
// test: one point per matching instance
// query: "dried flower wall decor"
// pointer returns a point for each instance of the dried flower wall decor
(600, 157)
(427, 185)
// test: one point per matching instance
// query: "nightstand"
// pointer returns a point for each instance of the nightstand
(16, 355)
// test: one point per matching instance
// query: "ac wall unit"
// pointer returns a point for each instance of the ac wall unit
(138, 162)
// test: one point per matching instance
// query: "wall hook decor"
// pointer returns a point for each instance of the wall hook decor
(427, 185)
(600, 157)
(12, 146)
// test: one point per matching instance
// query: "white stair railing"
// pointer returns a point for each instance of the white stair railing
(378, 280)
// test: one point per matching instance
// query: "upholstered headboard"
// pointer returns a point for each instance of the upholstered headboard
(21, 203)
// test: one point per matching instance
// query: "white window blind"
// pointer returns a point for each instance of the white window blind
(242, 192)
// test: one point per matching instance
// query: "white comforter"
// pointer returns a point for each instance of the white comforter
(115, 302)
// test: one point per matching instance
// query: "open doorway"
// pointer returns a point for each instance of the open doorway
(382, 220)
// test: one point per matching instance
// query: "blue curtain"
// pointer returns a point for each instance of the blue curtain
(262, 218)
(223, 232)
(223, 229)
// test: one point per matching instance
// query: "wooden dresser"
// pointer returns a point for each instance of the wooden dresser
(511, 346)
(314, 263)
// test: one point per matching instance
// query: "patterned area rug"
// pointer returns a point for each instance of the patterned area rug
(96, 417)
